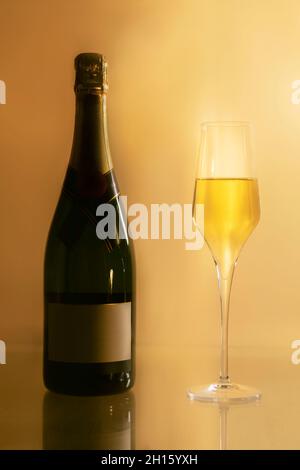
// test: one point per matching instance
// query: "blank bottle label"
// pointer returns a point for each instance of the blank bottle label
(89, 333)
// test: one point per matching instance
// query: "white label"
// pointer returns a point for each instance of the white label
(89, 333)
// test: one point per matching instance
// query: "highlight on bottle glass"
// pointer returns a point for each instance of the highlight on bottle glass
(226, 184)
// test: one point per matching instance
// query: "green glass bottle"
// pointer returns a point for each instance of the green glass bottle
(89, 324)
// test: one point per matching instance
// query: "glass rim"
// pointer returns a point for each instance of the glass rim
(225, 124)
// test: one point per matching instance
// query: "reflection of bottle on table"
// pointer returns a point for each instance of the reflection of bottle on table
(97, 422)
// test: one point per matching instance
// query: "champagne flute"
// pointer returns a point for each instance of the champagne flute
(227, 187)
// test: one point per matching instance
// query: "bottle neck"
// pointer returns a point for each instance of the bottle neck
(90, 150)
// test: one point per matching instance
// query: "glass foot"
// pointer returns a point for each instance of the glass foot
(221, 392)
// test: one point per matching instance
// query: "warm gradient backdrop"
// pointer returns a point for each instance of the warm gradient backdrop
(172, 64)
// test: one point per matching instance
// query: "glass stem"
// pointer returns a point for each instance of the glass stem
(224, 289)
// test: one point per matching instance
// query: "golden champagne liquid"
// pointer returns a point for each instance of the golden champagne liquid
(231, 212)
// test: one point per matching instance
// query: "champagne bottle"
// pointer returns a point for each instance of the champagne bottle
(89, 324)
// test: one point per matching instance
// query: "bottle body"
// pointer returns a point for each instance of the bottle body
(89, 325)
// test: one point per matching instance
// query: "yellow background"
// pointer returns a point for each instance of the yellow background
(172, 64)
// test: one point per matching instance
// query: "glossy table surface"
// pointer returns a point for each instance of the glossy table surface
(157, 413)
